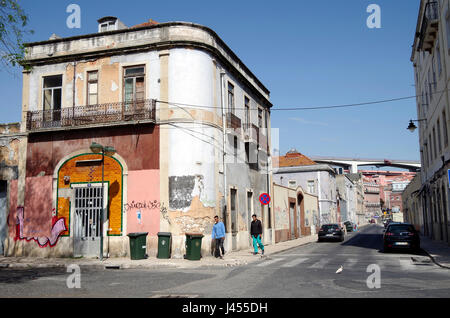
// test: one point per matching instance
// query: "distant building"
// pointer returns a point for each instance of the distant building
(295, 169)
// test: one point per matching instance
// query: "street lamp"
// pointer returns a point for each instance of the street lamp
(109, 151)
(411, 127)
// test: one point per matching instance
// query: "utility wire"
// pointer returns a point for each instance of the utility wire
(312, 108)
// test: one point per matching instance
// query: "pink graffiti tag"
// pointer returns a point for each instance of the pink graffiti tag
(58, 226)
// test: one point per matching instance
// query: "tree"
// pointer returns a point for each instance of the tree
(13, 22)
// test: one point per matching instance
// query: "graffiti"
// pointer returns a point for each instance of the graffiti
(149, 205)
(58, 226)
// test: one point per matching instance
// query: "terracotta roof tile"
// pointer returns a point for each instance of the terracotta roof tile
(148, 23)
(293, 160)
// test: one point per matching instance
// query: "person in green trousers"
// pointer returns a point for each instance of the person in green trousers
(256, 232)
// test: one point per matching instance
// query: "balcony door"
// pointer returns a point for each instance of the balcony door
(52, 98)
(134, 88)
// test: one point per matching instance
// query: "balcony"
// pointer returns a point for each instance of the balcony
(429, 28)
(93, 115)
(251, 133)
(233, 121)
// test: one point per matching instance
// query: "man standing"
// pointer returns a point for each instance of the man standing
(256, 232)
(218, 234)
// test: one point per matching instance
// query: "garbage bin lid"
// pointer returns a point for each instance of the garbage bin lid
(194, 234)
(164, 234)
(137, 234)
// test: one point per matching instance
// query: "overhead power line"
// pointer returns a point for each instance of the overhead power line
(311, 107)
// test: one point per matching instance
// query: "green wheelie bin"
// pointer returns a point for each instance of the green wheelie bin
(193, 246)
(138, 245)
(164, 244)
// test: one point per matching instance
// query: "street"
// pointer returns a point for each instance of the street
(302, 272)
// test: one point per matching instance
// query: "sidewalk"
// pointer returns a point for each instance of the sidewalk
(236, 258)
(439, 252)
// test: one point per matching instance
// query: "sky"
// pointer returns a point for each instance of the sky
(307, 53)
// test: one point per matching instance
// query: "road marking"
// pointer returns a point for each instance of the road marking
(294, 262)
(266, 263)
(320, 264)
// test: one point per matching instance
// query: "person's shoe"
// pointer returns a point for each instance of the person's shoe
(262, 253)
(221, 257)
(254, 253)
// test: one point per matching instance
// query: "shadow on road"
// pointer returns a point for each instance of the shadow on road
(18, 276)
(375, 241)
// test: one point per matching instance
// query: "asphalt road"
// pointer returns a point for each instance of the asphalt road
(305, 271)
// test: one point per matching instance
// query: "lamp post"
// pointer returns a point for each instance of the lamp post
(109, 151)
(411, 127)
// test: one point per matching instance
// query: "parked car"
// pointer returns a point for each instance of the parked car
(331, 232)
(401, 235)
(348, 226)
(372, 221)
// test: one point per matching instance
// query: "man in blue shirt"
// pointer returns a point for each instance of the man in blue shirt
(218, 234)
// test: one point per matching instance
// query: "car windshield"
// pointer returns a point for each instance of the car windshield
(398, 228)
(330, 226)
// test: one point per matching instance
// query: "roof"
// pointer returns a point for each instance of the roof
(145, 24)
(293, 159)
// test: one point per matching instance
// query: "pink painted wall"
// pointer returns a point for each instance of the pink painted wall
(38, 207)
(143, 197)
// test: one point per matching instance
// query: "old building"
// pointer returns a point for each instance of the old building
(296, 213)
(431, 64)
(160, 124)
(372, 204)
(360, 214)
(295, 169)
(347, 196)
(412, 207)
(11, 140)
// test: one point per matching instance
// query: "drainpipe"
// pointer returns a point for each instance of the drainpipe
(222, 83)
(73, 90)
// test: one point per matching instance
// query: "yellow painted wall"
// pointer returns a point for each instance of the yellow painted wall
(93, 173)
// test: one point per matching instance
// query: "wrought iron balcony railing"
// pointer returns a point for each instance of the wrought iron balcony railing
(91, 115)
(428, 30)
(233, 121)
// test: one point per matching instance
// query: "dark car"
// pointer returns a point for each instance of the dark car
(401, 235)
(331, 232)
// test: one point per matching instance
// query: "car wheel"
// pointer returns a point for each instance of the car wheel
(386, 249)
(319, 240)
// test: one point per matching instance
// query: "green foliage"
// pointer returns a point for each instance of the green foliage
(13, 22)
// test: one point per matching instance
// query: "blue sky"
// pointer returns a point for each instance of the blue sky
(307, 53)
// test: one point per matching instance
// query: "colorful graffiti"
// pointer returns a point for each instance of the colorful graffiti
(58, 226)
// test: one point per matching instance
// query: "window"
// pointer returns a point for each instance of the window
(444, 128)
(134, 85)
(438, 126)
(260, 119)
(92, 90)
(292, 184)
(438, 57)
(247, 112)
(52, 92)
(233, 195)
(230, 98)
(447, 24)
(431, 148)
(434, 143)
(249, 204)
(311, 188)
(235, 147)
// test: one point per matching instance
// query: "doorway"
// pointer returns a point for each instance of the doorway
(87, 219)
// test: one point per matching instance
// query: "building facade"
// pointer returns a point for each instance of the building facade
(160, 124)
(347, 194)
(295, 169)
(431, 64)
